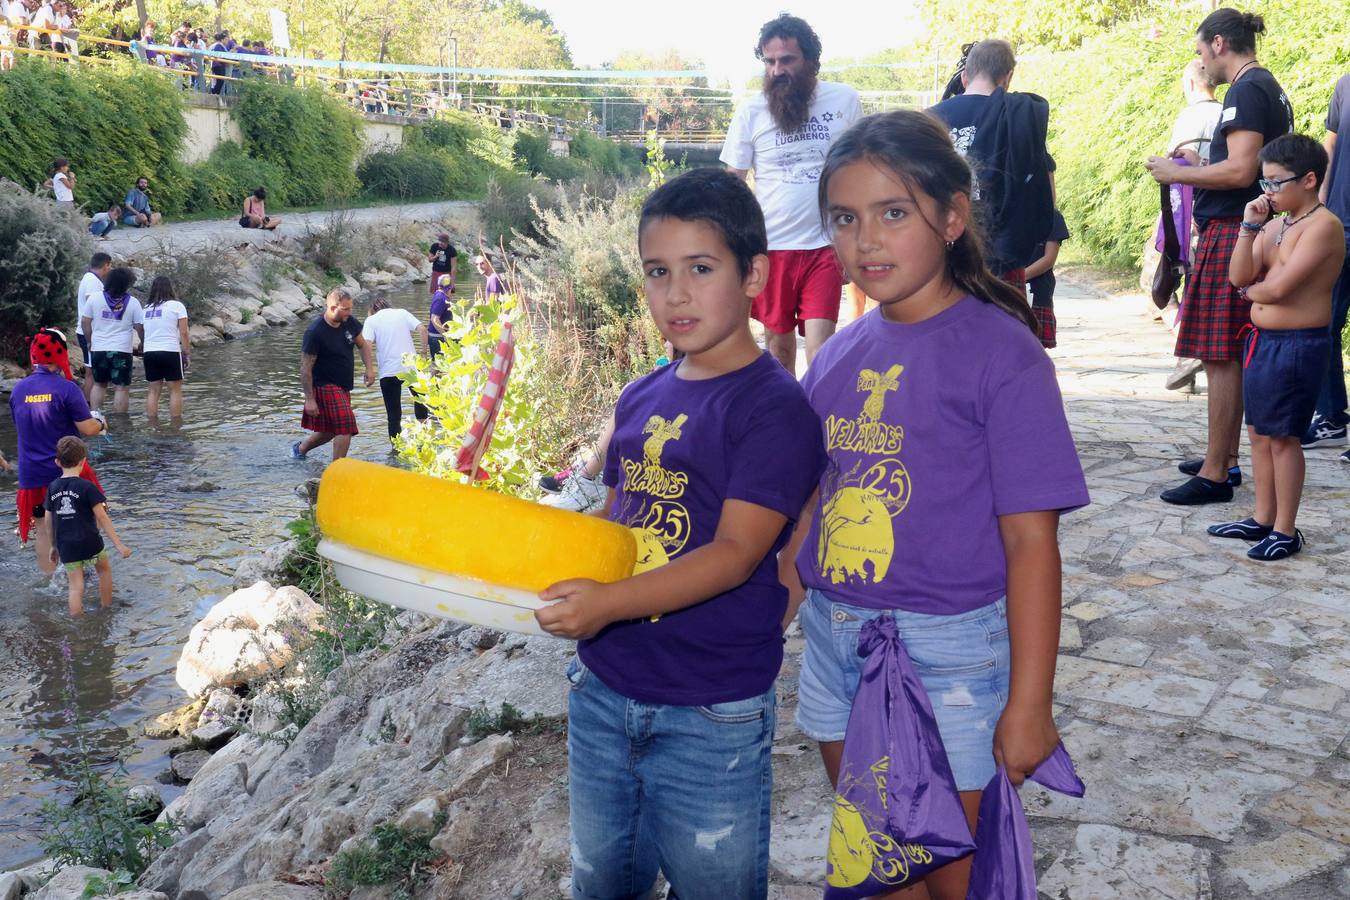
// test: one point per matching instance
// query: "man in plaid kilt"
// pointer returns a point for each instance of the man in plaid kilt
(326, 359)
(1255, 112)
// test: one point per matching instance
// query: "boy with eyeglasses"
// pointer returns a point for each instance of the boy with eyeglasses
(1286, 269)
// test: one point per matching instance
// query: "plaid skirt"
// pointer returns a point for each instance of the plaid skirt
(1046, 325)
(1212, 313)
(335, 412)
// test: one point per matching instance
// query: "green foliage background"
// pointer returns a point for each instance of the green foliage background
(308, 132)
(43, 253)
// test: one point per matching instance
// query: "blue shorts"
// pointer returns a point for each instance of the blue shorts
(1282, 374)
(962, 660)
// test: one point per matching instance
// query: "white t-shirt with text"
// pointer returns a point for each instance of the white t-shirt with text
(161, 326)
(106, 331)
(90, 286)
(787, 166)
(390, 330)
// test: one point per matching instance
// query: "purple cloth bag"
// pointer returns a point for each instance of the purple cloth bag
(1004, 867)
(1182, 197)
(897, 814)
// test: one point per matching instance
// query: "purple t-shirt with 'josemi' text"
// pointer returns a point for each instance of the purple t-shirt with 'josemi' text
(681, 448)
(932, 431)
(45, 407)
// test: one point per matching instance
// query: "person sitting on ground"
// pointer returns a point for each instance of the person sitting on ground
(167, 347)
(391, 329)
(255, 212)
(137, 203)
(102, 224)
(75, 510)
(62, 182)
(1287, 273)
(443, 259)
(46, 406)
(1041, 282)
(109, 318)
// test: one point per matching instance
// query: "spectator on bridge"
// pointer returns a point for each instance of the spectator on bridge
(102, 224)
(6, 34)
(137, 203)
(41, 22)
(255, 212)
(65, 22)
(219, 67)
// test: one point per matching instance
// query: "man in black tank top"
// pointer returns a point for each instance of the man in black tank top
(1255, 112)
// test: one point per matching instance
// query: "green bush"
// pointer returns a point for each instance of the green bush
(222, 181)
(411, 173)
(44, 250)
(306, 132)
(393, 856)
(1113, 100)
(114, 124)
(507, 209)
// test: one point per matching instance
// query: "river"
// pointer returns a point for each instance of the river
(242, 412)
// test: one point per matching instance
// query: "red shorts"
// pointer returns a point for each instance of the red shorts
(31, 499)
(335, 412)
(803, 284)
(1212, 313)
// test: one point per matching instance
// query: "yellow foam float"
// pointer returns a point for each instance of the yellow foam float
(459, 552)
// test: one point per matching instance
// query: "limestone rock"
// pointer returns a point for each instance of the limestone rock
(421, 816)
(248, 634)
(147, 800)
(395, 266)
(243, 329)
(276, 890)
(468, 765)
(273, 314)
(270, 566)
(11, 886)
(179, 722)
(68, 884)
(207, 796)
(213, 735)
(375, 279)
(186, 765)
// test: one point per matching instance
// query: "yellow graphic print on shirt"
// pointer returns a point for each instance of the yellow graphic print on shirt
(856, 536)
(663, 524)
(858, 849)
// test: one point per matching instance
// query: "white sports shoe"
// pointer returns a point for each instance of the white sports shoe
(579, 493)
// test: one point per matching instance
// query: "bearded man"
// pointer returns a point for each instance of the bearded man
(782, 133)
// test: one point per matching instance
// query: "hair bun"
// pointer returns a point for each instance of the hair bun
(1254, 23)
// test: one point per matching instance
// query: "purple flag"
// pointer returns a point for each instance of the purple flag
(897, 814)
(1004, 867)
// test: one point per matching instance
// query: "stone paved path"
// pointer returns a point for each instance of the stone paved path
(1203, 696)
(190, 237)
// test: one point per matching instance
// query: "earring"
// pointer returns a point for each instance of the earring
(951, 244)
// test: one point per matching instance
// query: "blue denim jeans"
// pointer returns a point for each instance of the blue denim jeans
(684, 790)
(1331, 402)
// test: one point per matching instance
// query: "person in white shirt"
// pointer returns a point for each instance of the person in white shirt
(109, 319)
(167, 347)
(43, 18)
(391, 329)
(6, 36)
(66, 23)
(63, 182)
(782, 133)
(91, 285)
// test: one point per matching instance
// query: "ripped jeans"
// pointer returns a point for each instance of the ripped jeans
(681, 789)
(962, 660)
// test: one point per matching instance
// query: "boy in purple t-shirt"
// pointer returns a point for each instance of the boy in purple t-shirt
(671, 716)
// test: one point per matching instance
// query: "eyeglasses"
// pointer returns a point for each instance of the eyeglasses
(1272, 186)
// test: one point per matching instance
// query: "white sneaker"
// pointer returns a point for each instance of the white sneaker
(579, 493)
(1183, 376)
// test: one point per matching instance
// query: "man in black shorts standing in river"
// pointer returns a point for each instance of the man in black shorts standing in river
(326, 360)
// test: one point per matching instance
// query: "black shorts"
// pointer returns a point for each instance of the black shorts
(84, 348)
(111, 367)
(163, 365)
(1281, 378)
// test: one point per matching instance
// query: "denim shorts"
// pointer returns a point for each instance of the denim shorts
(962, 660)
(684, 790)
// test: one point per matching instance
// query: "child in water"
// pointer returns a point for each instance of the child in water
(75, 511)
(949, 464)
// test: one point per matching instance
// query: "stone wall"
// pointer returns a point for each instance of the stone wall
(210, 124)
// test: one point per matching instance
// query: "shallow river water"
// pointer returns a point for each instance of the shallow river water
(242, 411)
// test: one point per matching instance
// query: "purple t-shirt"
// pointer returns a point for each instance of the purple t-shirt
(680, 449)
(493, 285)
(440, 305)
(932, 430)
(45, 407)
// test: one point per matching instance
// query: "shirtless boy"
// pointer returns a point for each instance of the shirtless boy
(1286, 268)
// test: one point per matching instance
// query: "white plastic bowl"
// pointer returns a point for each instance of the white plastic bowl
(434, 593)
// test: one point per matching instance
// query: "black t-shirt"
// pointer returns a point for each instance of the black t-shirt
(445, 255)
(334, 347)
(1043, 285)
(71, 502)
(1256, 102)
(1338, 188)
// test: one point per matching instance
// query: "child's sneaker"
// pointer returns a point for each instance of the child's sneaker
(1321, 432)
(1247, 530)
(579, 493)
(1277, 546)
(553, 484)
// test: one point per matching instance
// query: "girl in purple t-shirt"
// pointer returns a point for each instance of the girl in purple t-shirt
(949, 463)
